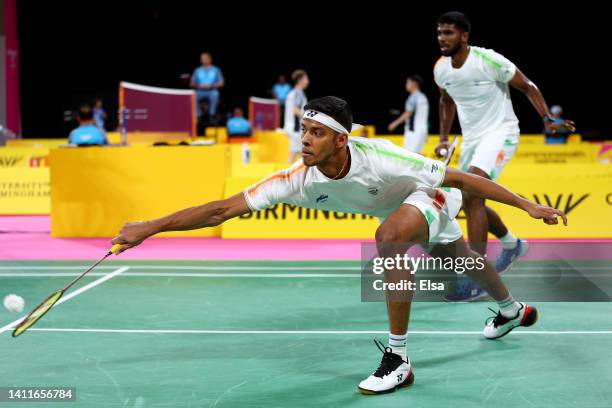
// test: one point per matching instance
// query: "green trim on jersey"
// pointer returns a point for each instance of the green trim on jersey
(487, 58)
(429, 216)
(419, 164)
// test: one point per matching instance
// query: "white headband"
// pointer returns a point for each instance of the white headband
(325, 120)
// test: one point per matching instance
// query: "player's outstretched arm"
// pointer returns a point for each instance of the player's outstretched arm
(446, 110)
(206, 215)
(533, 93)
(488, 189)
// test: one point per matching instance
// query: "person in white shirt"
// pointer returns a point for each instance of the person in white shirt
(415, 197)
(415, 116)
(474, 82)
(294, 108)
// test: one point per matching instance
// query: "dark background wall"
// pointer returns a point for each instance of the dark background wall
(73, 52)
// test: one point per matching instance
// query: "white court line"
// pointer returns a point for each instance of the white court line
(72, 294)
(424, 332)
(269, 268)
(198, 275)
(281, 275)
(196, 267)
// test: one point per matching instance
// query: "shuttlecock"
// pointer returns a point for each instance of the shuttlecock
(14, 303)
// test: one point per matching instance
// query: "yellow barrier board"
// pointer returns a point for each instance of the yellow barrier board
(547, 154)
(528, 152)
(273, 146)
(604, 152)
(255, 168)
(148, 138)
(23, 157)
(584, 192)
(38, 143)
(24, 191)
(96, 190)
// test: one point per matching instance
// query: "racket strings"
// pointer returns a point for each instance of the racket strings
(37, 313)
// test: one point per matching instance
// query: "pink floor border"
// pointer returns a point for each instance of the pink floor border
(27, 238)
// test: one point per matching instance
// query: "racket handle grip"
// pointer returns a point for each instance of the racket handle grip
(115, 248)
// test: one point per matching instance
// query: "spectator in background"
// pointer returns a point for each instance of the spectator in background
(207, 79)
(415, 116)
(280, 90)
(87, 134)
(294, 108)
(237, 125)
(556, 136)
(99, 114)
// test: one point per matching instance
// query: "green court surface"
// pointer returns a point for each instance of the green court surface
(287, 334)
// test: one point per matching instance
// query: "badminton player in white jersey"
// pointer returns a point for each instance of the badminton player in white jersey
(415, 116)
(294, 108)
(416, 198)
(474, 81)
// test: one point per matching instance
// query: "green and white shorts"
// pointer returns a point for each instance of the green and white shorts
(439, 206)
(491, 154)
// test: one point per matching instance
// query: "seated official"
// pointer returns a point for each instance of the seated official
(207, 80)
(87, 134)
(237, 125)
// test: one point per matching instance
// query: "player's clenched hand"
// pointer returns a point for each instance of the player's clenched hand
(443, 145)
(132, 234)
(547, 214)
(567, 125)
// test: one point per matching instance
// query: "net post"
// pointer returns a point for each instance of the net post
(251, 117)
(278, 118)
(194, 119)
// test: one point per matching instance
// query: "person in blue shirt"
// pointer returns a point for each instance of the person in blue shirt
(554, 136)
(281, 89)
(99, 114)
(207, 79)
(87, 134)
(237, 125)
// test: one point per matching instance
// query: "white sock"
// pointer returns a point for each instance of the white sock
(509, 307)
(509, 241)
(397, 343)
